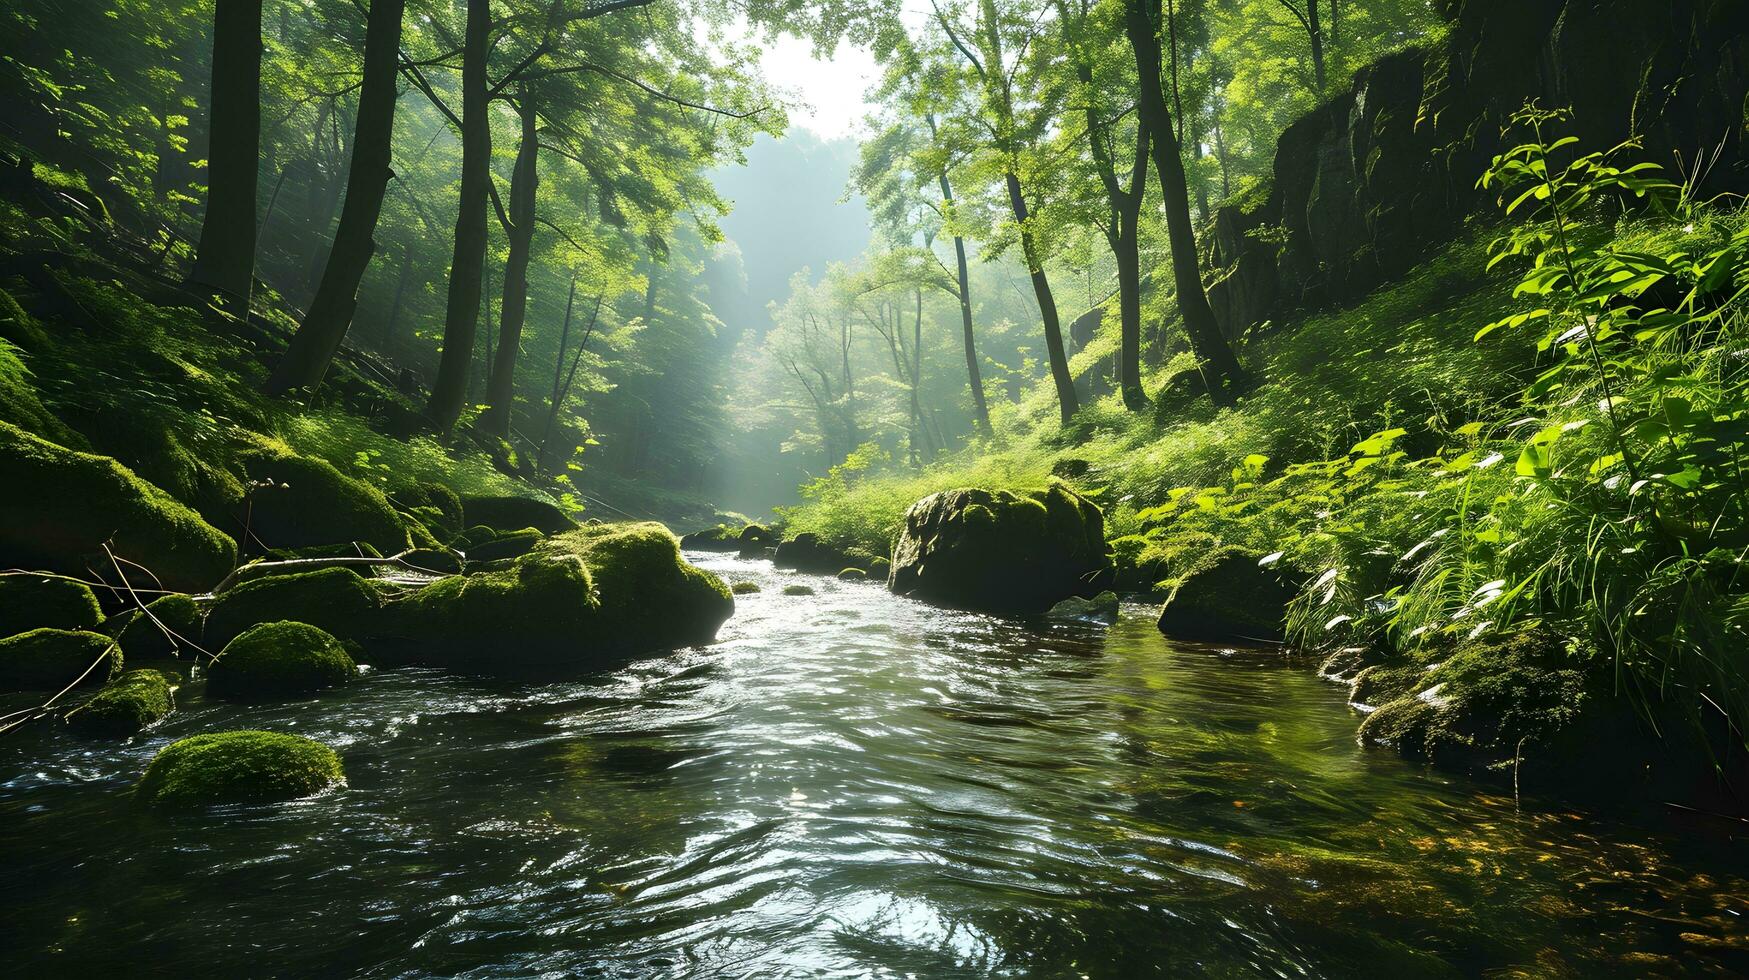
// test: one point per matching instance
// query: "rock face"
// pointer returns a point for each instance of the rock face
(123, 709)
(1228, 596)
(511, 513)
(1000, 552)
(28, 602)
(1386, 170)
(60, 506)
(238, 767)
(279, 660)
(50, 659)
(303, 502)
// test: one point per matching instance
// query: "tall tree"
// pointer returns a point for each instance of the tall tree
(225, 259)
(330, 314)
(1220, 368)
(519, 226)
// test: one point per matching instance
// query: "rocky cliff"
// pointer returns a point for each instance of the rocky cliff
(1384, 172)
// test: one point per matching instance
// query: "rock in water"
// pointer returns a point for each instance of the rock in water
(998, 551)
(336, 600)
(28, 602)
(239, 767)
(755, 540)
(1228, 596)
(143, 637)
(136, 699)
(60, 506)
(719, 538)
(1102, 608)
(279, 660)
(48, 659)
(807, 553)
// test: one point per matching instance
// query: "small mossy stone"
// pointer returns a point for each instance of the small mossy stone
(511, 513)
(144, 637)
(1229, 595)
(1380, 684)
(345, 549)
(62, 506)
(239, 767)
(29, 601)
(134, 700)
(744, 588)
(438, 561)
(276, 660)
(807, 553)
(1102, 608)
(304, 502)
(1402, 724)
(852, 574)
(50, 659)
(719, 538)
(337, 600)
(798, 590)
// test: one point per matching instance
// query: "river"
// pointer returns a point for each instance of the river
(851, 785)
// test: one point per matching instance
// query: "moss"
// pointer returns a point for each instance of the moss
(345, 549)
(337, 600)
(798, 590)
(31, 601)
(143, 639)
(744, 588)
(516, 512)
(308, 502)
(50, 659)
(1402, 724)
(280, 659)
(1497, 691)
(437, 507)
(239, 767)
(535, 615)
(19, 401)
(61, 506)
(719, 538)
(510, 545)
(1227, 595)
(136, 699)
(478, 534)
(651, 598)
(1379, 684)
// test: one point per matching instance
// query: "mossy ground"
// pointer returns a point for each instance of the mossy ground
(277, 660)
(238, 767)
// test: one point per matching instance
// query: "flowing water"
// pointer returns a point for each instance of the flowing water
(848, 785)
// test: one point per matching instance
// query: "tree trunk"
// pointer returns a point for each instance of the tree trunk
(1221, 369)
(1067, 401)
(325, 325)
(389, 334)
(1126, 250)
(462, 316)
(974, 377)
(225, 258)
(501, 388)
(561, 392)
(1317, 35)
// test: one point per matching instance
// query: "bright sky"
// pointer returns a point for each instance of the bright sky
(825, 96)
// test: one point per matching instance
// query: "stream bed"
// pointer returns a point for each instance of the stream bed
(851, 784)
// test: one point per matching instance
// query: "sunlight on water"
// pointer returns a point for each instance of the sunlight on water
(851, 785)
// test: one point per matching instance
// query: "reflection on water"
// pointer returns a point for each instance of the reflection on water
(850, 785)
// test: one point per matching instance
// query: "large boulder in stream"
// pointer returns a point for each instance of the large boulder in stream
(50, 659)
(1001, 552)
(61, 506)
(28, 602)
(807, 553)
(337, 600)
(301, 502)
(581, 600)
(238, 767)
(123, 709)
(1230, 595)
(279, 660)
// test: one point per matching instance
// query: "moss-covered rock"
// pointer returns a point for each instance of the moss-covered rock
(719, 538)
(1102, 608)
(651, 597)
(437, 561)
(754, 540)
(29, 601)
(278, 660)
(437, 507)
(136, 699)
(1380, 684)
(507, 545)
(807, 553)
(337, 600)
(144, 638)
(510, 513)
(50, 659)
(303, 502)
(1227, 595)
(798, 590)
(534, 616)
(744, 588)
(60, 507)
(239, 767)
(999, 551)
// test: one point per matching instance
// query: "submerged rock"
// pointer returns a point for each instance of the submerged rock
(798, 590)
(998, 551)
(29, 602)
(136, 699)
(61, 506)
(1102, 608)
(143, 638)
(1228, 596)
(50, 659)
(277, 660)
(510, 513)
(337, 600)
(239, 767)
(301, 502)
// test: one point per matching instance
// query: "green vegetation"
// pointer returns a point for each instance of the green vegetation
(126, 706)
(238, 767)
(50, 659)
(337, 600)
(29, 601)
(279, 660)
(166, 625)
